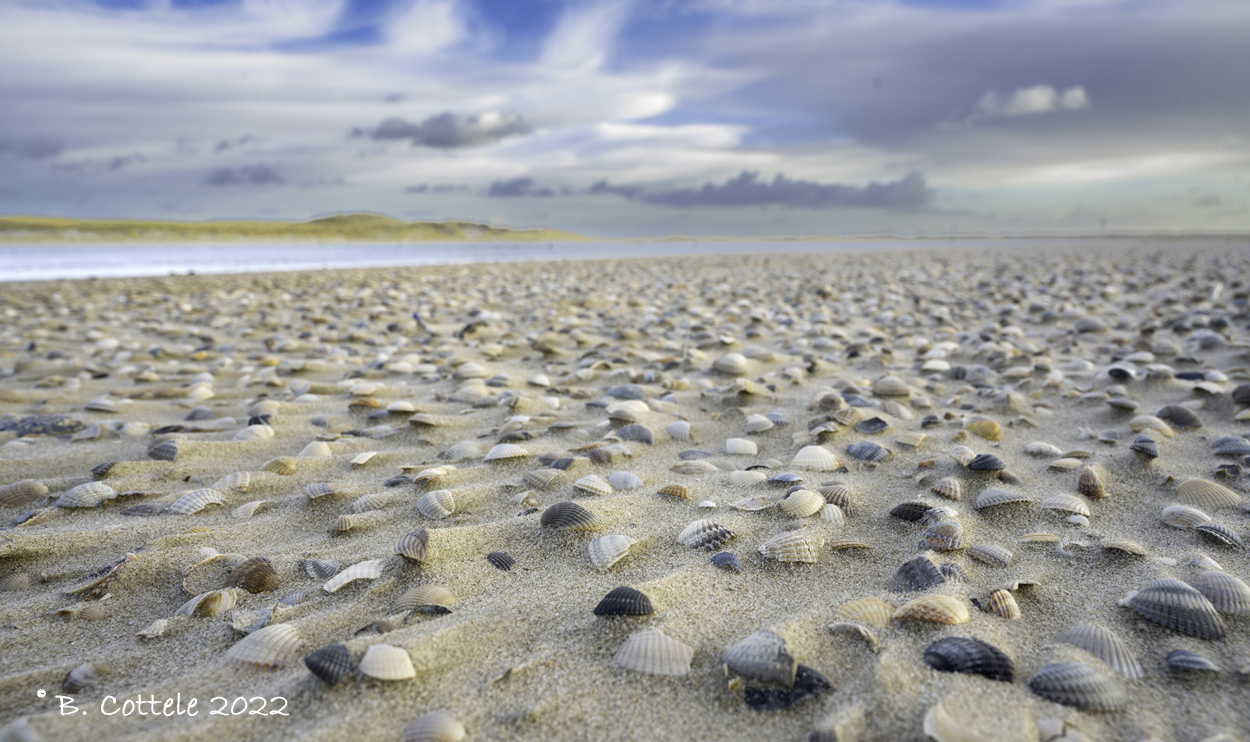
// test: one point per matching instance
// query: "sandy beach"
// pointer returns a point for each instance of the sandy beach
(1033, 374)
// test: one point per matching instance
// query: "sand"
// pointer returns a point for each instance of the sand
(521, 654)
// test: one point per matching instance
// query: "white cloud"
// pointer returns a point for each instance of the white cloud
(583, 36)
(428, 26)
(1029, 101)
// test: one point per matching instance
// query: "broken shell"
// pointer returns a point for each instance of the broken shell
(197, 500)
(283, 466)
(434, 727)
(256, 575)
(1221, 533)
(330, 663)
(1206, 494)
(940, 726)
(815, 458)
(1080, 686)
(1227, 593)
(871, 611)
(753, 504)
(270, 648)
(154, 629)
(792, 546)
(970, 656)
(606, 551)
(762, 656)
(947, 487)
(208, 604)
(918, 573)
(414, 545)
(436, 504)
(654, 653)
(802, 503)
(1002, 604)
(624, 601)
(319, 570)
(386, 662)
(318, 489)
(367, 570)
(248, 509)
(501, 560)
(963, 455)
(569, 516)
(370, 502)
(832, 514)
(704, 534)
(420, 595)
(1175, 605)
(1106, 646)
(934, 609)
(991, 554)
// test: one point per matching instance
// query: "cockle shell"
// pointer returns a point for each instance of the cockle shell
(919, 573)
(1227, 593)
(1221, 533)
(1231, 445)
(732, 364)
(935, 609)
(757, 424)
(367, 570)
(832, 514)
(741, 447)
(963, 455)
(753, 504)
(1002, 604)
(164, 451)
(344, 523)
(986, 462)
(802, 503)
(435, 726)
(792, 546)
(371, 502)
(593, 485)
(987, 429)
(947, 487)
(22, 492)
(840, 495)
(208, 604)
(1041, 448)
(248, 509)
(330, 663)
(1066, 503)
(1080, 686)
(1090, 485)
(945, 536)
(762, 656)
(1126, 547)
(318, 490)
(679, 431)
(1206, 494)
(501, 560)
(654, 653)
(606, 551)
(624, 601)
(569, 516)
(991, 554)
(270, 648)
(1106, 646)
(971, 656)
(255, 575)
(319, 570)
(414, 545)
(1183, 659)
(891, 386)
(675, 490)
(704, 534)
(419, 595)
(1175, 605)
(88, 495)
(316, 449)
(868, 451)
(746, 478)
(815, 458)
(623, 480)
(1145, 446)
(506, 451)
(1181, 417)
(196, 500)
(870, 611)
(994, 497)
(436, 504)
(542, 479)
(386, 662)
(282, 466)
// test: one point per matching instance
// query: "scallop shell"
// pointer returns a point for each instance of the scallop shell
(1150, 422)
(987, 429)
(208, 604)
(762, 656)
(367, 570)
(934, 609)
(22, 493)
(963, 455)
(14, 582)
(434, 727)
(330, 663)
(991, 554)
(624, 601)
(815, 458)
(255, 575)
(654, 653)
(164, 451)
(1002, 604)
(944, 536)
(197, 500)
(947, 487)
(569, 516)
(436, 504)
(1066, 503)
(994, 497)
(1183, 659)
(504, 451)
(283, 466)
(1145, 446)
(986, 462)
(248, 509)
(675, 490)
(1183, 516)
(970, 656)
(1227, 593)
(792, 546)
(420, 595)
(704, 534)
(270, 648)
(871, 611)
(88, 495)
(386, 662)
(1106, 646)
(868, 451)
(606, 551)
(319, 570)
(85, 676)
(1080, 686)
(1090, 485)
(918, 573)
(414, 545)
(802, 503)
(501, 560)
(1178, 606)
(832, 514)
(593, 485)
(1221, 533)
(1206, 494)
(318, 490)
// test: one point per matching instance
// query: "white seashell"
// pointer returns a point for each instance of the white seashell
(154, 629)
(270, 648)
(1183, 516)
(741, 447)
(1067, 503)
(363, 458)
(833, 514)
(436, 504)
(746, 478)
(209, 604)
(606, 551)
(237, 482)
(802, 503)
(816, 458)
(368, 570)
(434, 727)
(652, 652)
(732, 364)
(679, 431)
(386, 662)
(197, 500)
(792, 546)
(316, 448)
(88, 495)
(505, 451)
(593, 485)
(248, 509)
(707, 504)
(757, 424)
(1041, 448)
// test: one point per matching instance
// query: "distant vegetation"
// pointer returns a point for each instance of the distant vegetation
(348, 227)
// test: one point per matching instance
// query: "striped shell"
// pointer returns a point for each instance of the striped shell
(14, 582)
(726, 560)
(624, 480)
(1001, 603)
(934, 609)
(386, 662)
(987, 429)
(319, 570)
(679, 431)
(911, 439)
(918, 573)
(947, 487)
(815, 458)
(344, 523)
(606, 551)
(1175, 605)
(462, 450)
(593, 485)
(248, 509)
(1183, 659)
(970, 656)
(1066, 503)
(1090, 485)
(1106, 646)
(704, 534)
(1080, 686)
(675, 490)
(624, 601)
(1150, 422)
(434, 727)
(654, 653)
(840, 495)
(792, 546)
(501, 560)
(542, 479)
(414, 545)
(270, 648)
(1231, 445)
(963, 455)
(255, 575)
(436, 504)
(88, 495)
(283, 466)
(1221, 533)
(1183, 516)
(504, 451)
(207, 605)
(361, 459)
(164, 451)
(1125, 547)
(986, 462)
(1181, 417)
(419, 595)
(762, 656)
(833, 514)
(1145, 446)
(318, 490)
(746, 478)
(569, 516)
(1206, 494)
(22, 493)
(367, 570)
(944, 536)
(197, 500)
(694, 467)
(636, 432)
(1227, 593)
(868, 451)
(802, 503)
(870, 611)
(991, 554)
(330, 663)
(370, 502)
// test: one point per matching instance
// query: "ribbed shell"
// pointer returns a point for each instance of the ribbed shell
(208, 604)
(1150, 422)
(994, 497)
(319, 489)
(871, 611)
(1090, 485)
(164, 451)
(270, 648)
(945, 536)
(283, 466)
(756, 424)
(624, 480)
(1066, 503)
(694, 467)
(638, 433)
(505, 451)
(542, 479)
(746, 478)
(653, 653)
(1106, 646)
(624, 601)
(88, 495)
(840, 495)
(22, 493)
(330, 663)
(606, 551)
(1181, 417)
(1183, 516)
(1221, 533)
(948, 487)
(256, 575)
(762, 656)
(1231, 445)
(14, 582)
(868, 451)
(197, 500)
(436, 504)
(792, 546)
(593, 485)
(815, 458)
(963, 455)
(911, 511)
(1145, 446)
(802, 503)
(344, 523)
(1178, 606)
(970, 656)
(987, 429)
(1206, 494)
(569, 516)
(248, 509)
(911, 439)
(385, 662)
(501, 560)
(1183, 659)
(934, 609)
(414, 545)
(986, 462)
(315, 449)
(1126, 547)
(434, 727)
(833, 514)
(919, 573)
(727, 560)
(1001, 603)
(1227, 593)
(704, 534)
(367, 570)
(675, 490)
(371, 502)
(1079, 686)
(679, 431)
(319, 569)
(419, 595)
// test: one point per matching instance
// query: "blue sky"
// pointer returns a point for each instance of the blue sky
(734, 117)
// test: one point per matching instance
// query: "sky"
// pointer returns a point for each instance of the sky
(643, 118)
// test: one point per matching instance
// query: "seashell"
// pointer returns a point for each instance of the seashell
(910, 511)
(911, 440)
(1145, 446)
(704, 534)
(283, 466)
(1221, 533)
(675, 490)
(608, 550)
(752, 504)
(154, 629)
(164, 451)
(14, 582)
(1182, 516)
(891, 386)
(871, 426)
(344, 523)
(386, 662)
(694, 467)
(256, 575)
(1150, 422)
(679, 431)
(1127, 547)
(868, 451)
(871, 611)
(462, 450)
(963, 455)
(762, 656)
(421, 595)
(947, 487)
(434, 727)
(1066, 503)
(436, 504)
(653, 653)
(731, 364)
(784, 479)
(741, 447)
(832, 514)
(22, 493)
(756, 424)
(85, 676)
(208, 604)
(87, 495)
(299, 597)
(1080, 686)
(569, 516)
(993, 498)
(1206, 494)
(318, 490)
(1241, 394)
(197, 500)
(802, 503)
(987, 429)
(815, 458)
(1183, 659)
(1090, 485)
(919, 573)
(319, 570)
(1002, 604)
(367, 570)
(593, 485)
(940, 726)
(844, 544)
(1106, 646)
(934, 609)
(638, 433)
(970, 656)
(624, 601)
(991, 554)
(1181, 417)
(371, 502)
(248, 509)
(362, 458)
(623, 480)
(506, 451)
(1227, 593)
(1041, 448)
(746, 478)
(840, 495)
(1175, 605)
(270, 648)
(501, 560)
(330, 663)
(414, 545)
(315, 449)
(944, 536)
(542, 479)
(727, 560)
(792, 546)
(986, 462)
(1231, 445)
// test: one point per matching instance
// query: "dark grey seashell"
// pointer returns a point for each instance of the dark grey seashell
(727, 560)
(101, 471)
(991, 554)
(919, 573)
(784, 479)
(1227, 593)
(1106, 646)
(501, 560)
(1089, 324)
(624, 601)
(300, 597)
(868, 451)
(807, 683)
(694, 454)
(840, 495)
(1180, 417)
(971, 656)
(780, 419)
(330, 663)
(762, 656)
(1221, 533)
(627, 391)
(319, 569)
(146, 509)
(1178, 606)
(1183, 659)
(1231, 445)
(638, 433)
(164, 451)
(871, 425)
(200, 412)
(569, 516)
(987, 462)
(1241, 394)
(1145, 446)
(1080, 686)
(912, 511)
(704, 534)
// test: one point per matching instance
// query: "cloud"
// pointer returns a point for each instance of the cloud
(450, 130)
(34, 149)
(226, 144)
(1029, 101)
(518, 187)
(436, 188)
(746, 189)
(246, 175)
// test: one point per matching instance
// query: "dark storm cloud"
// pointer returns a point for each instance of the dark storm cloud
(257, 175)
(449, 130)
(746, 189)
(517, 187)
